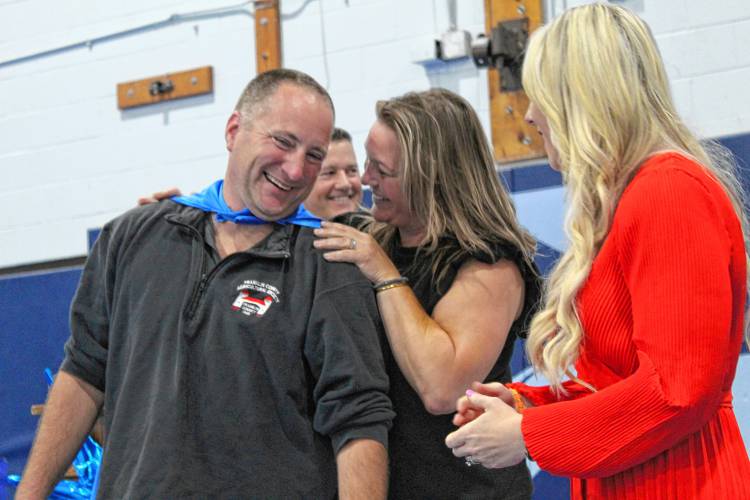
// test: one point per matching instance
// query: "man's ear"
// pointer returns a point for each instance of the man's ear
(230, 132)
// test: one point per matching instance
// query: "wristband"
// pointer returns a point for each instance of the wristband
(388, 284)
(518, 403)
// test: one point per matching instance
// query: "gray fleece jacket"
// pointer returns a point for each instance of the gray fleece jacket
(224, 379)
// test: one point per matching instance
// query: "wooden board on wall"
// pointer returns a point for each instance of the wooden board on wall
(188, 83)
(267, 36)
(512, 138)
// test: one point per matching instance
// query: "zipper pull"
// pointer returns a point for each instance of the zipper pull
(197, 297)
(202, 285)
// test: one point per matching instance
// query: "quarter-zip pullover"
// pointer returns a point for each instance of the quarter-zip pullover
(239, 377)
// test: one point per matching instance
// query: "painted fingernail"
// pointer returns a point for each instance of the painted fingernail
(469, 393)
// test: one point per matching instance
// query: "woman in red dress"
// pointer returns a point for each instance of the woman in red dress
(644, 312)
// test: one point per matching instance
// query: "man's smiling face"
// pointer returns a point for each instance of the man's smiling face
(276, 153)
(338, 189)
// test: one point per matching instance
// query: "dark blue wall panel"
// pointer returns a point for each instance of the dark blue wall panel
(33, 329)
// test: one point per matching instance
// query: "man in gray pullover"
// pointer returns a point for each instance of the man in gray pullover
(227, 357)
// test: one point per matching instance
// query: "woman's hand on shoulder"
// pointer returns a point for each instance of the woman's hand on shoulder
(159, 195)
(341, 243)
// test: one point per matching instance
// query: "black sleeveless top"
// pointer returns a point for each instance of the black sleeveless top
(421, 465)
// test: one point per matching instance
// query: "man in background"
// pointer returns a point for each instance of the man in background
(338, 189)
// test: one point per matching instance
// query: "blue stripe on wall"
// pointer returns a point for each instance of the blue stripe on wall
(530, 177)
(541, 176)
(91, 236)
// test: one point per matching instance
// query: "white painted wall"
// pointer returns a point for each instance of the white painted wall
(70, 160)
(705, 48)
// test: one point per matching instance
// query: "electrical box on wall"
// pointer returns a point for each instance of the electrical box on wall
(504, 50)
(453, 44)
(166, 87)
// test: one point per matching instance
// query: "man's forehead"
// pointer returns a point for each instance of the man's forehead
(342, 148)
(301, 122)
(297, 97)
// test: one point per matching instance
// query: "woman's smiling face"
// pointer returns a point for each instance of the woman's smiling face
(382, 174)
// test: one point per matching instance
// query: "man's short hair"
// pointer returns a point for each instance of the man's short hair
(339, 134)
(265, 84)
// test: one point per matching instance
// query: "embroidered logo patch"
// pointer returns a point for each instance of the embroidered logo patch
(255, 298)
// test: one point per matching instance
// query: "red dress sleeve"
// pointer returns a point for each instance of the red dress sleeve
(673, 252)
(543, 395)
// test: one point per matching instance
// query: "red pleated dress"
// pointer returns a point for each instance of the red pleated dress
(662, 311)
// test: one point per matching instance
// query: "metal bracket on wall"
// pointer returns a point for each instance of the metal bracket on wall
(166, 87)
(512, 138)
(504, 50)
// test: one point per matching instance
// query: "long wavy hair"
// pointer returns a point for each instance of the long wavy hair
(448, 177)
(596, 74)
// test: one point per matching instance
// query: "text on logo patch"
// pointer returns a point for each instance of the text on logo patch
(255, 298)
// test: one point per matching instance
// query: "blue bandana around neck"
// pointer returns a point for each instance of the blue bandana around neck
(211, 199)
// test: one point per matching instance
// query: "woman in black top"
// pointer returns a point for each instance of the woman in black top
(443, 221)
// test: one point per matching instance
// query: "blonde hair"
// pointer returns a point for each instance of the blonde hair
(596, 74)
(449, 180)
